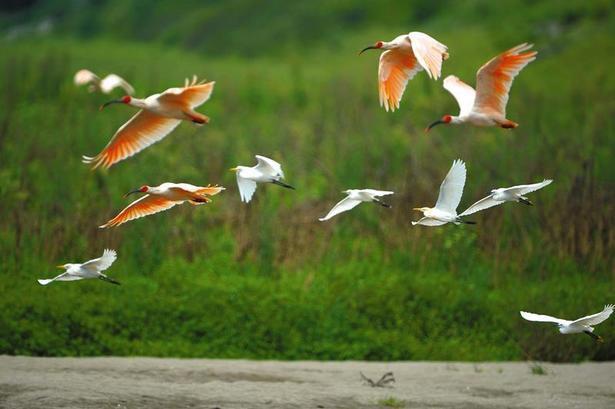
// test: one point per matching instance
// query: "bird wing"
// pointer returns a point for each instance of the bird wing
(101, 263)
(377, 193)
(143, 206)
(201, 190)
(525, 189)
(83, 77)
(267, 165)
(463, 93)
(246, 188)
(62, 277)
(142, 130)
(192, 94)
(112, 81)
(342, 206)
(451, 188)
(482, 204)
(429, 52)
(595, 319)
(542, 318)
(427, 221)
(494, 79)
(396, 68)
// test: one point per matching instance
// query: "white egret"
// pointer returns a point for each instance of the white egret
(581, 325)
(451, 189)
(266, 171)
(89, 269)
(356, 196)
(506, 194)
(105, 85)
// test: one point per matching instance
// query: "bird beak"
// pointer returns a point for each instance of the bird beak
(60, 266)
(233, 169)
(131, 192)
(418, 209)
(371, 47)
(115, 101)
(438, 122)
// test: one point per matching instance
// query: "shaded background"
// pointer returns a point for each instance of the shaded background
(267, 280)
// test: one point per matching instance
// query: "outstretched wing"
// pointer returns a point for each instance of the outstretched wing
(429, 52)
(377, 193)
(482, 204)
(101, 263)
(595, 318)
(143, 206)
(427, 221)
(267, 165)
(463, 93)
(494, 79)
(62, 277)
(396, 68)
(141, 131)
(83, 77)
(451, 188)
(542, 318)
(112, 81)
(342, 206)
(246, 187)
(525, 189)
(192, 94)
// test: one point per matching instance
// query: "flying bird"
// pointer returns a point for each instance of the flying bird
(105, 85)
(159, 114)
(356, 196)
(160, 198)
(487, 105)
(402, 59)
(89, 269)
(506, 194)
(583, 325)
(451, 189)
(266, 171)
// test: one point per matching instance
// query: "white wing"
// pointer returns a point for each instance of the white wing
(83, 77)
(595, 318)
(542, 318)
(62, 277)
(342, 206)
(267, 165)
(427, 221)
(429, 52)
(112, 81)
(246, 188)
(451, 188)
(377, 193)
(463, 93)
(525, 189)
(102, 263)
(482, 204)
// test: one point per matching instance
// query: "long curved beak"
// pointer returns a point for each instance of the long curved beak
(115, 101)
(131, 192)
(438, 122)
(371, 47)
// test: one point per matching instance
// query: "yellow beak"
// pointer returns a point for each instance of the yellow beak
(60, 266)
(233, 169)
(417, 209)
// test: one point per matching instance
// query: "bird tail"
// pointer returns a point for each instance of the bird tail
(287, 186)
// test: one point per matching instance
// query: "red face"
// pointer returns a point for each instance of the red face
(378, 44)
(126, 99)
(144, 188)
(447, 119)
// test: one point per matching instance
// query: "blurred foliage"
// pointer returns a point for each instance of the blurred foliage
(267, 280)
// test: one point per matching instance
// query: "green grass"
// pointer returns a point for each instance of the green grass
(267, 280)
(392, 402)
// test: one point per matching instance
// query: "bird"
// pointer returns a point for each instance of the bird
(160, 198)
(451, 189)
(266, 171)
(159, 114)
(356, 196)
(89, 269)
(487, 105)
(581, 325)
(105, 85)
(506, 194)
(402, 59)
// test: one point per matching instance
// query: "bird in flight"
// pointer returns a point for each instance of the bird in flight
(506, 194)
(265, 171)
(356, 196)
(402, 59)
(89, 269)
(105, 85)
(487, 105)
(581, 325)
(159, 114)
(160, 198)
(451, 189)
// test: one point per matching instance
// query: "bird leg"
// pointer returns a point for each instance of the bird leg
(594, 336)
(277, 182)
(109, 280)
(197, 117)
(525, 200)
(381, 203)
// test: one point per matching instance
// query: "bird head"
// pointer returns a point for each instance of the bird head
(143, 189)
(378, 45)
(124, 100)
(446, 119)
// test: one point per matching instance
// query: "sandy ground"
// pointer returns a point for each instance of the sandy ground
(127, 383)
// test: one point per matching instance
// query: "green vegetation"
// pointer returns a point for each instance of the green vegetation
(392, 402)
(538, 369)
(267, 280)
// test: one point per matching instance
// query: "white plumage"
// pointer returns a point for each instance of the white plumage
(356, 196)
(105, 85)
(506, 194)
(265, 171)
(580, 325)
(90, 269)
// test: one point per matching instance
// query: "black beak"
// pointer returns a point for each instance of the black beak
(131, 192)
(115, 101)
(371, 47)
(438, 122)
